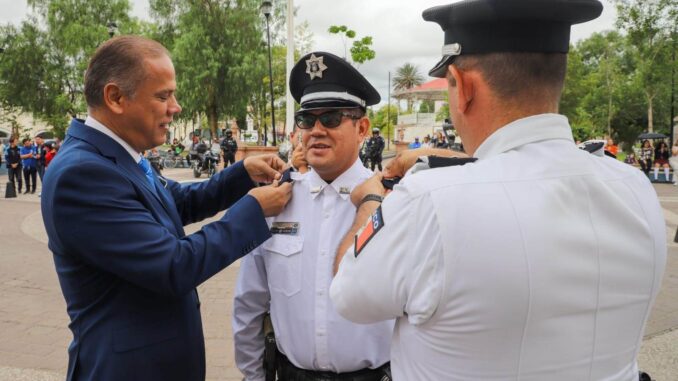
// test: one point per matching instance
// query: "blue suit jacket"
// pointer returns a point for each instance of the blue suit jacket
(127, 270)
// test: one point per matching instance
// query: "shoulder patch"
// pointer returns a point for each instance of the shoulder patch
(374, 224)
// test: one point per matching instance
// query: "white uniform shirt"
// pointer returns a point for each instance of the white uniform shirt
(293, 273)
(537, 262)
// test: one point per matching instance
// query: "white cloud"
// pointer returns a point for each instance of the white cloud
(399, 33)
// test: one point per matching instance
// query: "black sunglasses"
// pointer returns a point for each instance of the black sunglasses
(330, 119)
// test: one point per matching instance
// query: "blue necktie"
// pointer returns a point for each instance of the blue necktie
(146, 167)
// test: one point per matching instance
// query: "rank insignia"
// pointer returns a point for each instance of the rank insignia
(375, 223)
(315, 67)
(344, 190)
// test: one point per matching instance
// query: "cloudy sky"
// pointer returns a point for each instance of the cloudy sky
(399, 33)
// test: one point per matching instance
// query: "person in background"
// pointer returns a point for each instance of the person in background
(673, 161)
(51, 152)
(13, 160)
(427, 142)
(439, 140)
(153, 157)
(415, 144)
(631, 159)
(229, 147)
(661, 160)
(375, 149)
(297, 155)
(612, 148)
(646, 154)
(30, 165)
(40, 156)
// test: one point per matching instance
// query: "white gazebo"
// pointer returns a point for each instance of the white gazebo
(419, 124)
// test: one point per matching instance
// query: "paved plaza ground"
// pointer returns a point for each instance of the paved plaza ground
(33, 320)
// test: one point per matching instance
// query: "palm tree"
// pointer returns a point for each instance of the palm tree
(407, 77)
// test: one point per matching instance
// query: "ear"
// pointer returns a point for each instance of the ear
(465, 88)
(114, 98)
(363, 127)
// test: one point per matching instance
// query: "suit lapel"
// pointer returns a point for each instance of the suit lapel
(111, 149)
(168, 201)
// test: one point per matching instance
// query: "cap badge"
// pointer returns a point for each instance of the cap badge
(315, 67)
(452, 49)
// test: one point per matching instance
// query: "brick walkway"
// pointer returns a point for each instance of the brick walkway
(33, 321)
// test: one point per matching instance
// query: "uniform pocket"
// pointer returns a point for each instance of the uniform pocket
(283, 263)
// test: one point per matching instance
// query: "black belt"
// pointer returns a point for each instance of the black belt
(288, 372)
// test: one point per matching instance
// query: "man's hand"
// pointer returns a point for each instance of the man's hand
(299, 159)
(406, 159)
(264, 168)
(272, 198)
(370, 186)
(14, 165)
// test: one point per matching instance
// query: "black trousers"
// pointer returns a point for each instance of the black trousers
(15, 176)
(229, 158)
(41, 171)
(376, 161)
(645, 165)
(31, 173)
(288, 372)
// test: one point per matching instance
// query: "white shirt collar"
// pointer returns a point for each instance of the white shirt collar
(95, 124)
(342, 185)
(524, 131)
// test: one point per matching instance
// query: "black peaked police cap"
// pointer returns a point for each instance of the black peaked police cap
(501, 26)
(323, 80)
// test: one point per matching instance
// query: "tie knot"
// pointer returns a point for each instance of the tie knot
(145, 165)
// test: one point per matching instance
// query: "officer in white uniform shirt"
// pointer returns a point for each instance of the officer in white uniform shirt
(290, 274)
(538, 261)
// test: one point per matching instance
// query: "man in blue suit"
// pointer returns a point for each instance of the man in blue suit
(127, 270)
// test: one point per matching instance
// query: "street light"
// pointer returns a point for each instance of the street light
(112, 28)
(266, 7)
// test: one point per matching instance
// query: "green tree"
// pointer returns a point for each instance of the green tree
(218, 53)
(380, 119)
(406, 78)
(648, 25)
(44, 59)
(361, 49)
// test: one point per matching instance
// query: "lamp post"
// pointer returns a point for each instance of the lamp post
(673, 84)
(266, 7)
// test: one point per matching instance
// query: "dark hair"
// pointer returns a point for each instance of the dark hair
(119, 60)
(519, 76)
(25, 140)
(12, 139)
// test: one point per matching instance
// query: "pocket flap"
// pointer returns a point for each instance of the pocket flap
(284, 244)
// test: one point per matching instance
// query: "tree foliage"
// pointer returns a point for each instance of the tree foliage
(218, 53)
(44, 59)
(406, 78)
(618, 82)
(648, 25)
(361, 49)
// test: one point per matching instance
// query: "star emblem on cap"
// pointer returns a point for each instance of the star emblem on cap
(315, 67)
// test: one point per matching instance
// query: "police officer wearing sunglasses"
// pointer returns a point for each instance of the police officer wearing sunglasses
(290, 274)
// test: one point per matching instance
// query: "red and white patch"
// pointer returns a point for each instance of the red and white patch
(375, 223)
